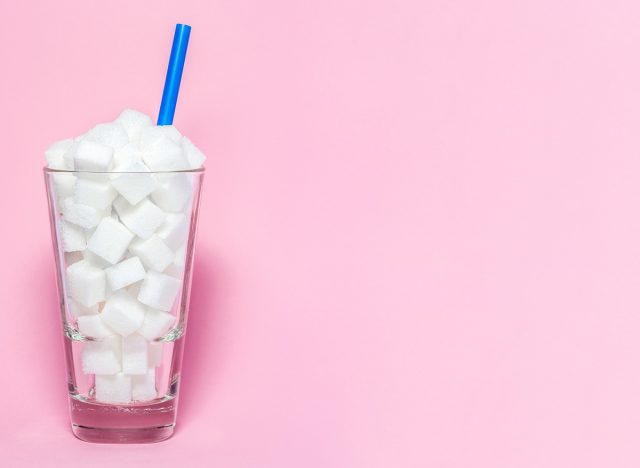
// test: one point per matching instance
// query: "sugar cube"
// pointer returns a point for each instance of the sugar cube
(93, 326)
(82, 215)
(113, 388)
(134, 289)
(86, 283)
(159, 291)
(78, 310)
(92, 156)
(166, 157)
(152, 136)
(94, 193)
(134, 355)
(70, 155)
(133, 184)
(55, 155)
(144, 386)
(122, 313)
(109, 293)
(112, 135)
(101, 357)
(127, 154)
(195, 157)
(156, 323)
(142, 219)
(125, 273)
(161, 153)
(134, 122)
(63, 185)
(172, 132)
(174, 230)
(73, 239)
(110, 240)
(153, 252)
(173, 191)
(95, 259)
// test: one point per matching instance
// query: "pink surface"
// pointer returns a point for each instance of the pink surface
(419, 243)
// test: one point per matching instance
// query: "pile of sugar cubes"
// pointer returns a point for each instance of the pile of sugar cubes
(124, 232)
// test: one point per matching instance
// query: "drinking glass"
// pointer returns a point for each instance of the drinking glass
(124, 314)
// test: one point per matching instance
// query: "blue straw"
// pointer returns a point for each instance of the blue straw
(174, 74)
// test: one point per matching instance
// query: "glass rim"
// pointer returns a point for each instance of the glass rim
(199, 170)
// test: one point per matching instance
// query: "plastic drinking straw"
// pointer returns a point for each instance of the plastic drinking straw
(174, 74)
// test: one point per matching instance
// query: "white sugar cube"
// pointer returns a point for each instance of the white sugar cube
(89, 231)
(94, 193)
(154, 354)
(110, 134)
(101, 357)
(153, 252)
(195, 157)
(110, 240)
(156, 324)
(133, 185)
(126, 155)
(78, 310)
(165, 157)
(92, 156)
(122, 313)
(86, 283)
(55, 155)
(173, 192)
(125, 273)
(70, 155)
(134, 122)
(172, 132)
(134, 355)
(159, 291)
(73, 239)
(95, 259)
(63, 185)
(134, 289)
(174, 230)
(108, 294)
(152, 136)
(113, 388)
(93, 326)
(161, 153)
(142, 219)
(144, 386)
(82, 215)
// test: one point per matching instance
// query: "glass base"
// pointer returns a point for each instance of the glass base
(122, 436)
(122, 424)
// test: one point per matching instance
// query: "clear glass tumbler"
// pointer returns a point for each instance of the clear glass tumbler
(123, 245)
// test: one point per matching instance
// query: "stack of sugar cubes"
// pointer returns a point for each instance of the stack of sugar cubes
(124, 233)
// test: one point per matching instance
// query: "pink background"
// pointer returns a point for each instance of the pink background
(419, 243)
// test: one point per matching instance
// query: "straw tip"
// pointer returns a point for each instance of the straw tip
(183, 26)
